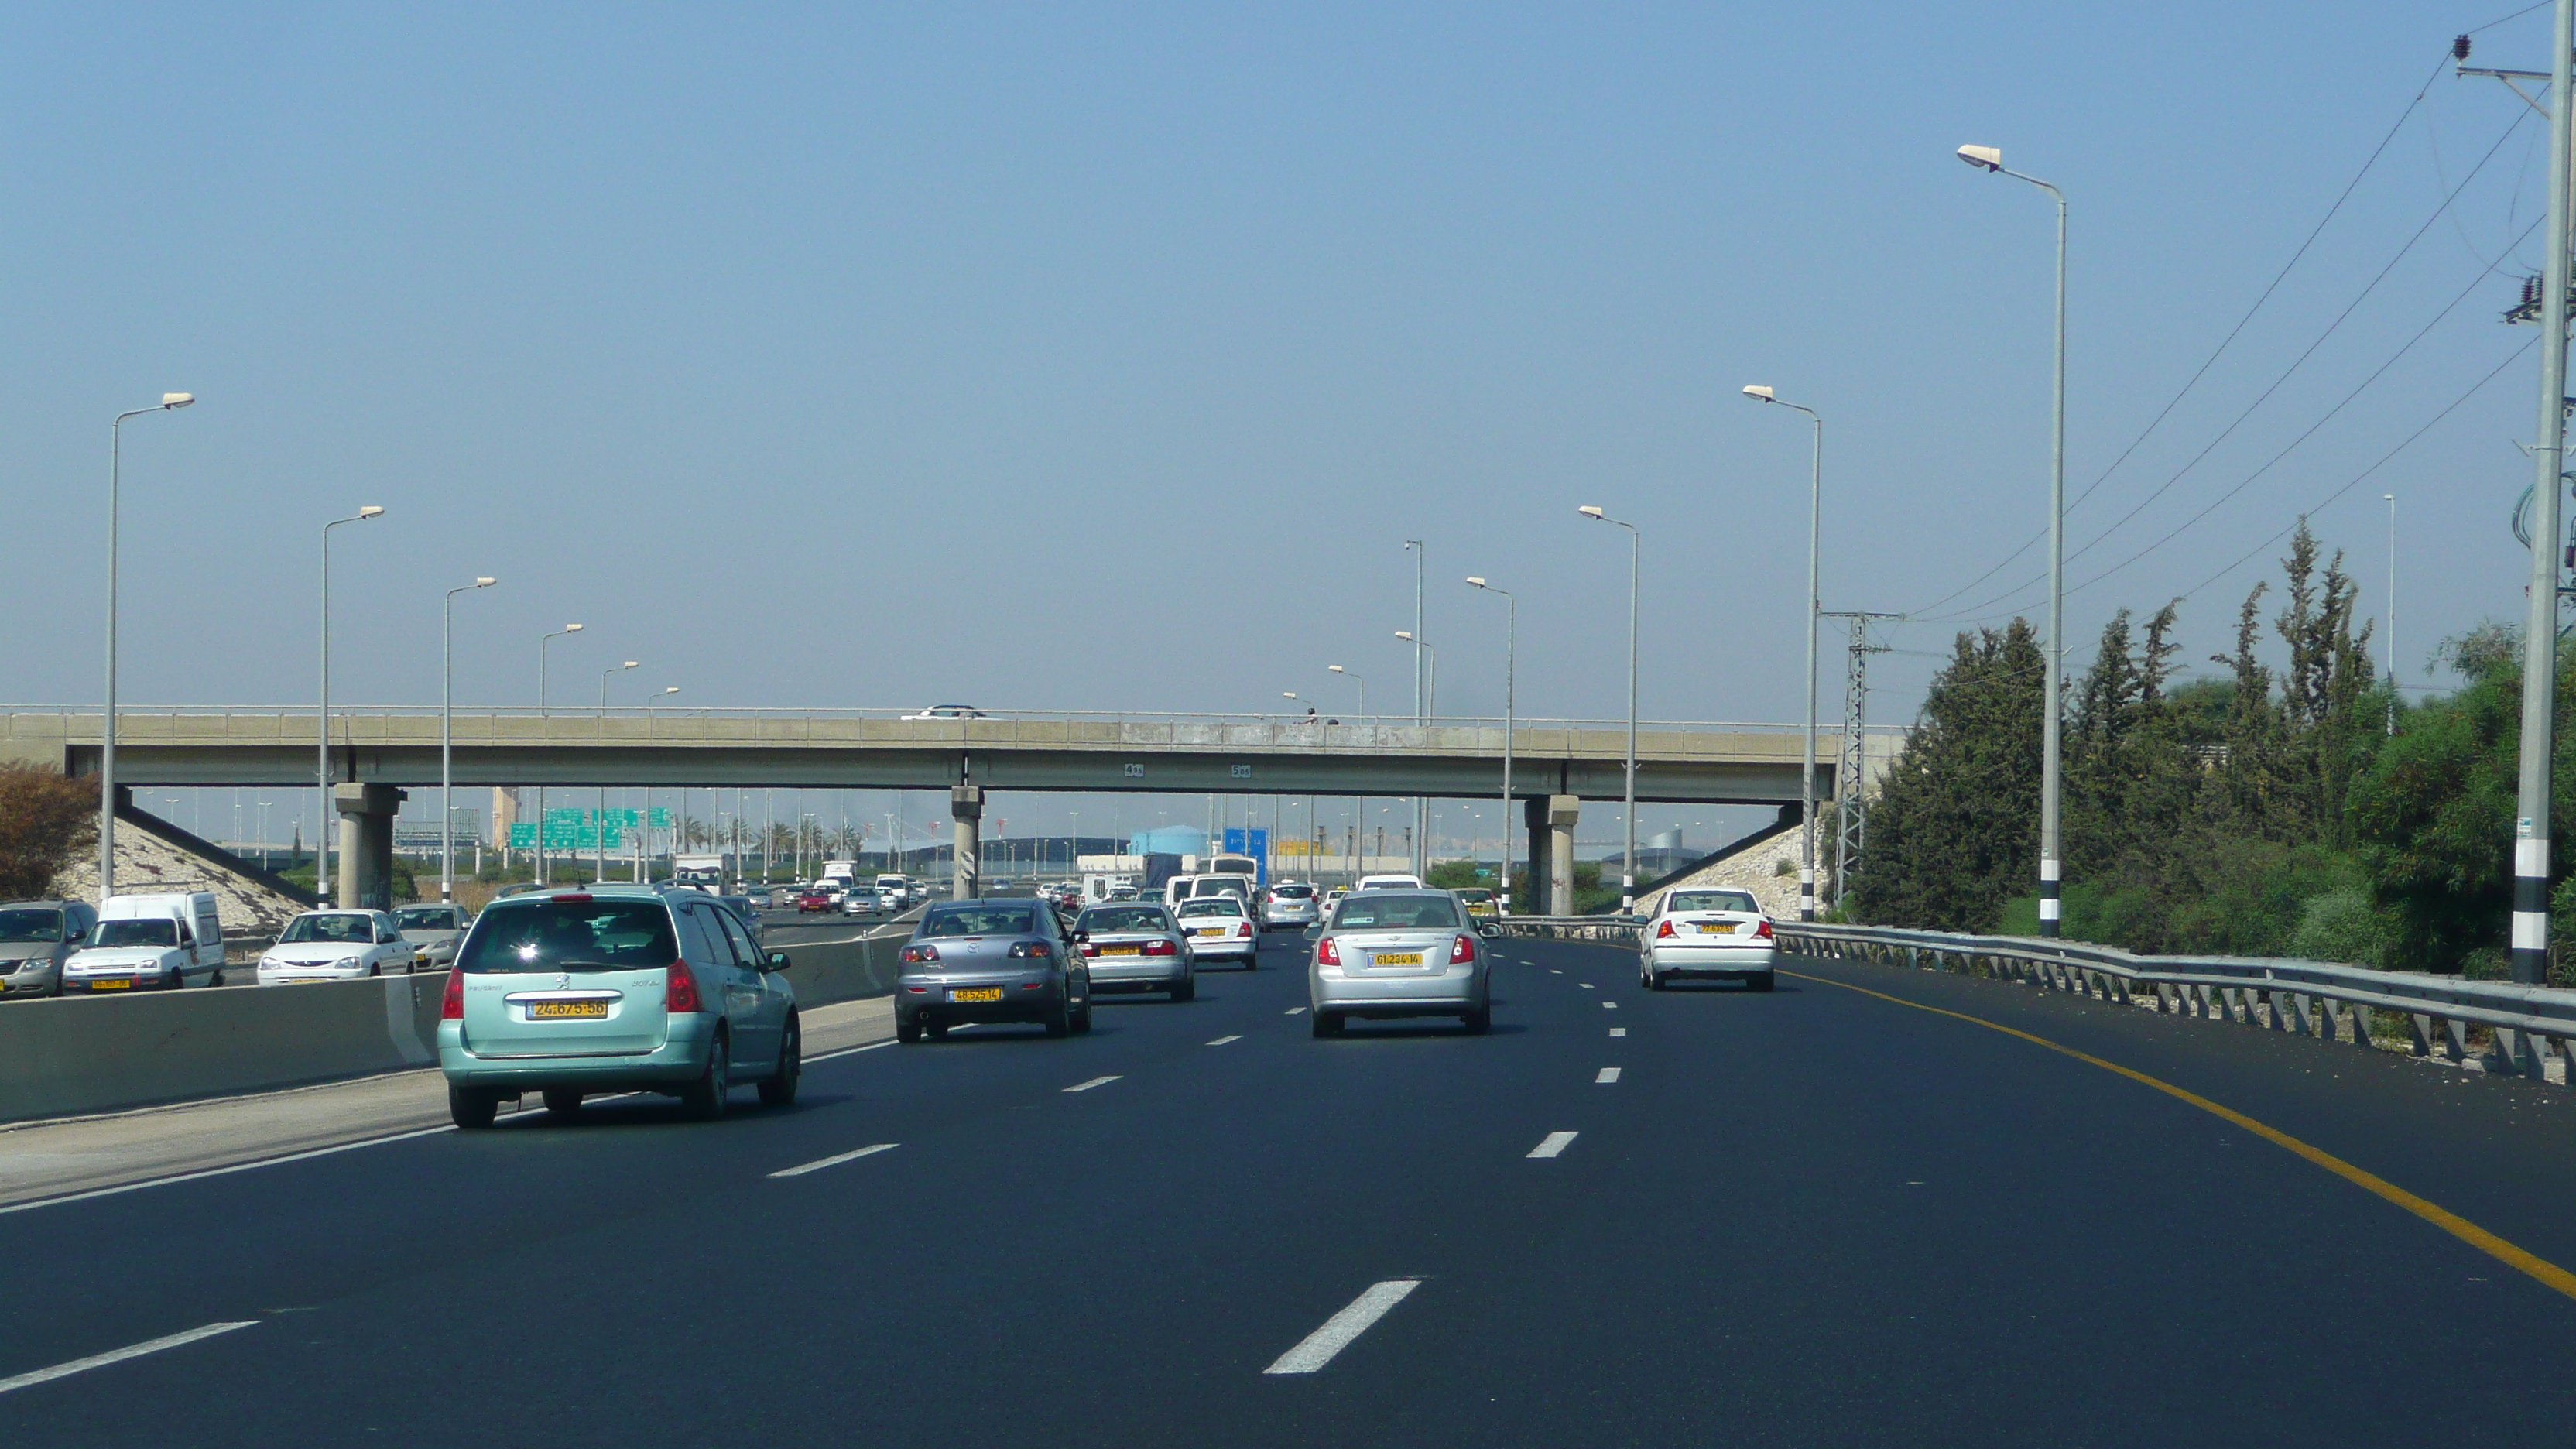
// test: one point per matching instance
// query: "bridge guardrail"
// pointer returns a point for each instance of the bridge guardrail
(1617, 930)
(2528, 1024)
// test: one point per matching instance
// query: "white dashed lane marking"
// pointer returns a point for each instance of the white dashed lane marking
(1610, 1006)
(1296, 1011)
(1094, 1082)
(101, 1360)
(1220, 1041)
(834, 1160)
(1605, 1076)
(1618, 1031)
(1317, 1348)
(1555, 1143)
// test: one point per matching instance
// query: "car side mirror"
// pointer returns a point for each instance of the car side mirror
(1489, 931)
(777, 962)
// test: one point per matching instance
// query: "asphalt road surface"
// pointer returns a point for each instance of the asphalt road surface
(1818, 1216)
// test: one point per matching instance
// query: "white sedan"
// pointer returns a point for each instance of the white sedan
(335, 946)
(1706, 932)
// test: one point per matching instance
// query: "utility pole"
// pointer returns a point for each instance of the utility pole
(2548, 452)
(1421, 714)
(1851, 813)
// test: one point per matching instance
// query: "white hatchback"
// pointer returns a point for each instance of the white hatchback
(335, 946)
(1706, 932)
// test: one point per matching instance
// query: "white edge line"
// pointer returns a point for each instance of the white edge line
(1318, 1348)
(835, 1160)
(1554, 1143)
(1094, 1082)
(849, 1051)
(1296, 1011)
(101, 1360)
(1220, 1041)
(1618, 1031)
(20, 1207)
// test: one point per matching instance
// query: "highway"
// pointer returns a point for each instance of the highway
(1824, 1216)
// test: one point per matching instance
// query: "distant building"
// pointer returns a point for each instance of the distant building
(1169, 840)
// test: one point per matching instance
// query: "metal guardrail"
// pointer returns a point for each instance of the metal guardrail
(1616, 930)
(2527, 1024)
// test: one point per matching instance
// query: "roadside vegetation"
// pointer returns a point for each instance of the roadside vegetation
(2263, 810)
(46, 821)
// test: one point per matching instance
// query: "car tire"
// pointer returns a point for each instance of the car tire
(1059, 1020)
(935, 1030)
(470, 1108)
(1480, 1020)
(562, 1101)
(704, 1099)
(1327, 1023)
(1188, 990)
(906, 1031)
(780, 1089)
(1761, 982)
(376, 968)
(215, 980)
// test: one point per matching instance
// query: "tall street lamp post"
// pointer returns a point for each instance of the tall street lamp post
(599, 816)
(1361, 812)
(322, 757)
(1428, 674)
(1511, 669)
(1807, 773)
(1990, 159)
(540, 834)
(446, 710)
(1421, 699)
(1627, 866)
(170, 402)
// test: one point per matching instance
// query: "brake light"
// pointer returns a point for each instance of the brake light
(1763, 930)
(920, 953)
(680, 990)
(1327, 953)
(1664, 932)
(1462, 950)
(1158, 948)
(574, 897)
(1030, 948)
(1244, 930)
(1089, 949)
(451, 1002)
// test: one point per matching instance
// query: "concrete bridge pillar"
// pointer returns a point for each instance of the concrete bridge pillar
(366, 844)
(1534, 816)
(966, 807)
(1561, 813)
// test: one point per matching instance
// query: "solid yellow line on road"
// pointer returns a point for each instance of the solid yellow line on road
(2439, 1216)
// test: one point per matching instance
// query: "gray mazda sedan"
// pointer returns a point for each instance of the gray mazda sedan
(1136, 948)
(975, 961)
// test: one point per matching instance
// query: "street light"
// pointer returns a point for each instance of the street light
(1424, 711)
(1422, 696)
(1991, 159)
(1511, 669)
(322, 755)
(170, 402)
(599, 817)
(446, 708)
(1628, 866)
(1843, 789)
(644, 831)
(1356, 848)
(539, 850)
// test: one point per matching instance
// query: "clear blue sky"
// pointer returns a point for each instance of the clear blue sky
(992, 348)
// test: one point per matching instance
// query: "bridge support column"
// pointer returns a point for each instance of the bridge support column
(966, 807)
(366, 844)
(1561, 813)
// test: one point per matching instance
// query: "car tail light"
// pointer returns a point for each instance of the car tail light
(1664, 932)
(1462, 950)
(1089, 949)
(1763, 930)
(680, 991)
(1031, 948)
(1158, 948)
(573, 897)
(1327, 953)
(451, 1002)
(1244, 930)
(920, 953)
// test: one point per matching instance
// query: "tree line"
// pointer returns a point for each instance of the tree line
(2285, 804)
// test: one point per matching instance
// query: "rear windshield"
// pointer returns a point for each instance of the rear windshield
(426, 918)
(1123, 918)
(980, 921)
(551, 935)
(1217, 906)
(1224, 886)
(135, 933)
(1386, 910)
(361, 929)
(1475, 893)
(26, 925)
(1711, 901)
(1292, 892)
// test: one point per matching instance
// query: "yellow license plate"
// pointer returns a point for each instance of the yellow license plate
(1396, 958)
(1208, 931)
(1717, 928)
(976, 993)
(1118, 951)
(109, 985)
(566, 1010)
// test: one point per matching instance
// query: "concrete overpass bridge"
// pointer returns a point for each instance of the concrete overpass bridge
(378, 752)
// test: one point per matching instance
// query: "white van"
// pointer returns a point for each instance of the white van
(1389, 883)
(142, 942)
(894, 890)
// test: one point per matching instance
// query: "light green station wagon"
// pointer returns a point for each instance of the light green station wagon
(614, 989)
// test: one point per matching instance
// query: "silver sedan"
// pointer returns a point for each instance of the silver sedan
(1391, 953)
(1136, 947)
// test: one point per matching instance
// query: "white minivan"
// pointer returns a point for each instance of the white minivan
(147, 941)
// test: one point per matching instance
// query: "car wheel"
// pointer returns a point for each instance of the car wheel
(469, 1108)
(1761, 982)
(780, 1089)
(1059, 1020)
(562, 1101)
(1327, 1023)
(215, 980)
(1082, 1019)
(374, 968)
(704, 1100)
(906, 1031)
(938, 1030)
(1480, 1020)
(1188, 990)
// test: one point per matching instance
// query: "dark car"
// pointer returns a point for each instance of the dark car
(35, 936)
(997, 960)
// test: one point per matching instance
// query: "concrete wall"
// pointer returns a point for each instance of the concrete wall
(70, 1055)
